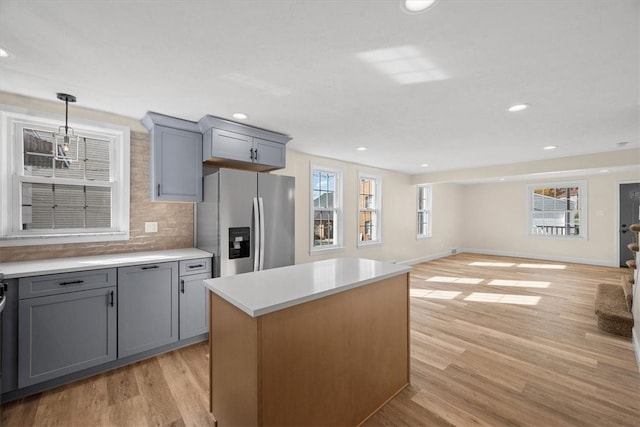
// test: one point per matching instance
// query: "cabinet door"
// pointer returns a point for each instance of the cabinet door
(147, 307)
(231, 145)
(9, 337)
(194, 306)
(176, 165)
(269, 153)
(61, 334)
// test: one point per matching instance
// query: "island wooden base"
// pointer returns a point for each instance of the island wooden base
(332, 361)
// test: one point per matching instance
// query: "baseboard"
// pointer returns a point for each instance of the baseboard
(571, 260)
(636, 346)
(414, 261)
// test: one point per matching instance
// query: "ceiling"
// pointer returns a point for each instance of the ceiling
(430, 88)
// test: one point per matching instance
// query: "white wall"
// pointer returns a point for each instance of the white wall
(494, 221)
(399, 241)
(487, 218)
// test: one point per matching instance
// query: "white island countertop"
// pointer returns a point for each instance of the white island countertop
(64, 265)
(266, 291)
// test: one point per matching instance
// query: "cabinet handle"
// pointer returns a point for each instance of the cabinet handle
(196, 266)
(158, 190)
(111, 299)
(255, 154)
(182, 286)
(251, 155)
(149, 267)
(75, 282)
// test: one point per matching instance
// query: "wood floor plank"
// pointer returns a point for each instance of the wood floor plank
(161, 405)
(192, 400)
(122, 385)
(495, 341)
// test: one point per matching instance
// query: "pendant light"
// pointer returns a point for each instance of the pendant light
(66, 144)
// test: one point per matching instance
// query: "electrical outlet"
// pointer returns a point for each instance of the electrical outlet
(150, 227)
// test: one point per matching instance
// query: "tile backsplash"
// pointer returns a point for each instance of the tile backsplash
(175, 220)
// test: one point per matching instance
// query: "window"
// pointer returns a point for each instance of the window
(326, 208)
(369, 209)
(557, 209)
(424, 211)
(45, 200)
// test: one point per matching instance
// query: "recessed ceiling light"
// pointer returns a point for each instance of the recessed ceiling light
(518, 107)
(550, 147)
(417, 6)
(3, 53)
(361, 148)
(424, 165)
(240, 116)
(501, 179)
(604, 171)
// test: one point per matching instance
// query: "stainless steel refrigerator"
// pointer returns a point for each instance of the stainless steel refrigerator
(246, 219)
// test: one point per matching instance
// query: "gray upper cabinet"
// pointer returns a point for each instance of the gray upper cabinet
(147, 307)
(228, 145)
(269, 153)
(238, 146)
(68, 330)
(176, 158)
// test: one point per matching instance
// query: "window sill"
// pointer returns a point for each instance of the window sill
(369, 243)
(556, 237)
(423, 236)
(33, 240)
(318, 251)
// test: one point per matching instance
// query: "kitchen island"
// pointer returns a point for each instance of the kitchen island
(323, 343)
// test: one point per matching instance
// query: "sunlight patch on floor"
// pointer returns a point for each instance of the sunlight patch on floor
(492, 264)
(520, 283)
(544, 266)
(503, 298)
(448, 279)
(433, 293)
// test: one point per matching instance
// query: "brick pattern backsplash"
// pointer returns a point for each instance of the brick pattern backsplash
(175, 220)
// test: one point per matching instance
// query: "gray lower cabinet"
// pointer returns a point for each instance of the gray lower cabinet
(194, 298)
(147, 307)
(64, 333)
(194, 306)
(69, 324)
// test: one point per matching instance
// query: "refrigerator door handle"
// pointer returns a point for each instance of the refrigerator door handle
(261, 206)
(256, 235)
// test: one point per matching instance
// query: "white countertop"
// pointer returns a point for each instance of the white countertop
(266, 291)
(63, 265)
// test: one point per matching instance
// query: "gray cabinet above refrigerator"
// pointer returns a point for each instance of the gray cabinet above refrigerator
(238, 146)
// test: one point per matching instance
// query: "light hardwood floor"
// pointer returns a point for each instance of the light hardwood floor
(495, 342)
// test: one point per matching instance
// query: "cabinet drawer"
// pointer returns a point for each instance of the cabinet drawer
(51, 284)
(195, 266)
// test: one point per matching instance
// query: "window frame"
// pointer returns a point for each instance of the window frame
(377, 209)
(338, 244)
(13, 121)
(581, 208)
(429, 211)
